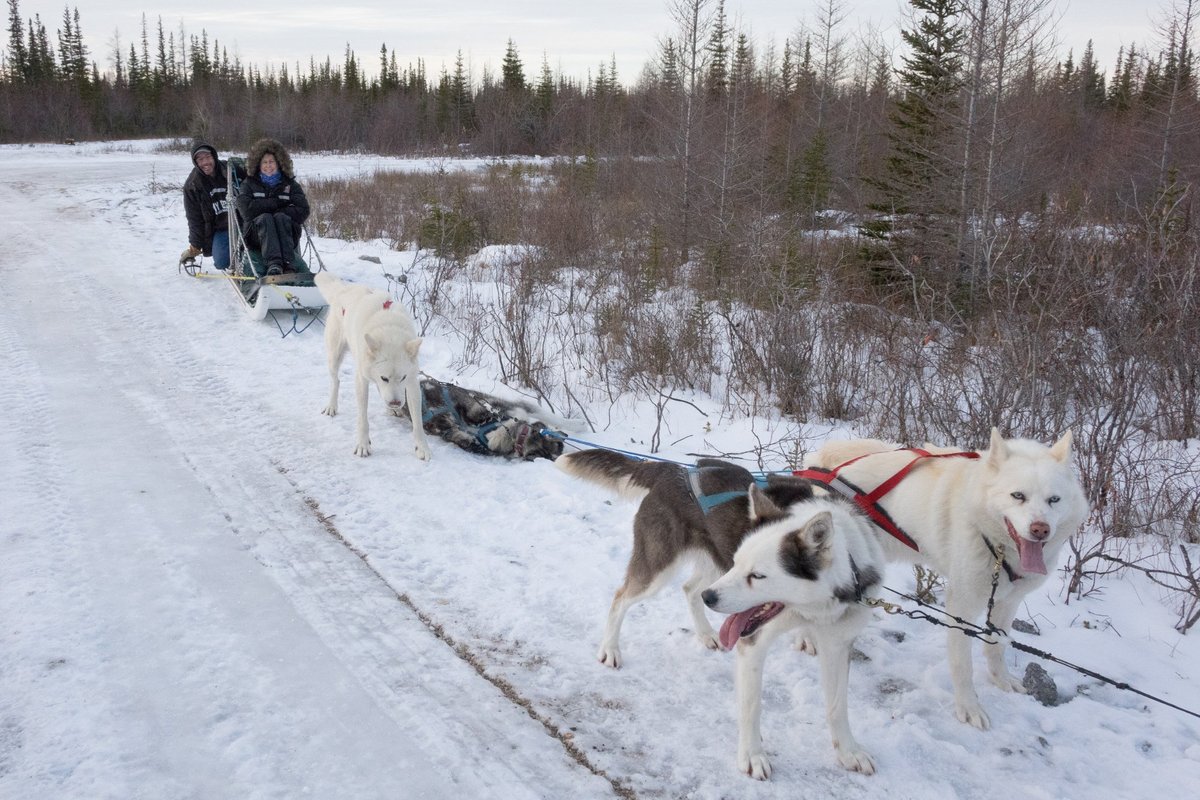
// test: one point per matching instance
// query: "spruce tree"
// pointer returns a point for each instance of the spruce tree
(717, 79)
(918, 180)
(18, 55)
(512, 72)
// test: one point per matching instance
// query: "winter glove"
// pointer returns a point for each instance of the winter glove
(189, 254)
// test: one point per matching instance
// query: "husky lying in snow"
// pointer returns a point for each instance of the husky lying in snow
(485, 424)
(1020, 500)
(380, 337)
(806, 566)
(671, 528)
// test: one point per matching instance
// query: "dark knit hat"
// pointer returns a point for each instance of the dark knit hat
(198, 146)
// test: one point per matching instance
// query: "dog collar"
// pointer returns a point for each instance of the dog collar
(1013, 577)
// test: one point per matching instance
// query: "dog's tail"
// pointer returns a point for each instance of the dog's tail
(628, 477)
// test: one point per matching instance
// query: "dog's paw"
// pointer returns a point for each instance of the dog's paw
(709, 640)
(856, 760)
(1007, 682)
(756, 765)
(422, 451)
(610, 657)
(363, 448)
(973, 714)
(330, 411)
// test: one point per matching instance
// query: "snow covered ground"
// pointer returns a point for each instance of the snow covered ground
(204, 594)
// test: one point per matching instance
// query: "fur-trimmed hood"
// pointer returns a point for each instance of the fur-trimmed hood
(261, 148)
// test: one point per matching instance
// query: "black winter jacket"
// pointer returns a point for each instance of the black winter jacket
(255, 198)
(205, 205)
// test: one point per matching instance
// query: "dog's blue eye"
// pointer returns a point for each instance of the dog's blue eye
(754, 576)
(1018, 496)
(1054, 499)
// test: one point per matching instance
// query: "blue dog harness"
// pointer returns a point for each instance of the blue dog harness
(710, 501)
(520, 433)
(447, 407)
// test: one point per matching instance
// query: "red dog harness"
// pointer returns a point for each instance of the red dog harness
(869, 501)
(386, 304)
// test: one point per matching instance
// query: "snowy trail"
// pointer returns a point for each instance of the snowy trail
(261, 658)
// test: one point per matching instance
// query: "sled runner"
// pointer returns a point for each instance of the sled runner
(291, 294)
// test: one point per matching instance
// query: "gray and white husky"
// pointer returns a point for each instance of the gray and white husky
(790, 559)
(672, 529)
(807, 566)
(488, 425)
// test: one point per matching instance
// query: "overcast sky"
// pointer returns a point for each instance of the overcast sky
(574, 36)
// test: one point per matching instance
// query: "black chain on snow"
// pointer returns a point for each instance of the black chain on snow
(982, 632)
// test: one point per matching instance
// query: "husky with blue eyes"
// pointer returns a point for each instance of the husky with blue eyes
(1005, 511)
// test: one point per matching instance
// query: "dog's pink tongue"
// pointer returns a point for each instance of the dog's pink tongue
(1031, 556)
(732, 627)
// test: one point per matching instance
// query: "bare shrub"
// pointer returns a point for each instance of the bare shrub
(1072, 328)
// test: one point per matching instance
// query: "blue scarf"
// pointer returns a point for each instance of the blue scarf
(271, 180)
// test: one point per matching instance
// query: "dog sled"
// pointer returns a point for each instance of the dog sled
(292, 298)
(291, 295)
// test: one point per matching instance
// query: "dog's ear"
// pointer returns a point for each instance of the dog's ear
(762, 508)
(805, 552)
(818, 530)
(997, 449)
(372, 344)
(412, 346)
(1062, 448)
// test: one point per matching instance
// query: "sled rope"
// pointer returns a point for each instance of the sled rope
(630, 453)
(643, 457)
(979, 632)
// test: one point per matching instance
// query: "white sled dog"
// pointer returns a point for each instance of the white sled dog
(807, 566)
(1019, 500)
(380, 336)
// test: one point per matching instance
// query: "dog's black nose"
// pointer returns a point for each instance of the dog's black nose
(709, 597)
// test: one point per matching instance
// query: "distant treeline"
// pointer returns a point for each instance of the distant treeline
(943, 146)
